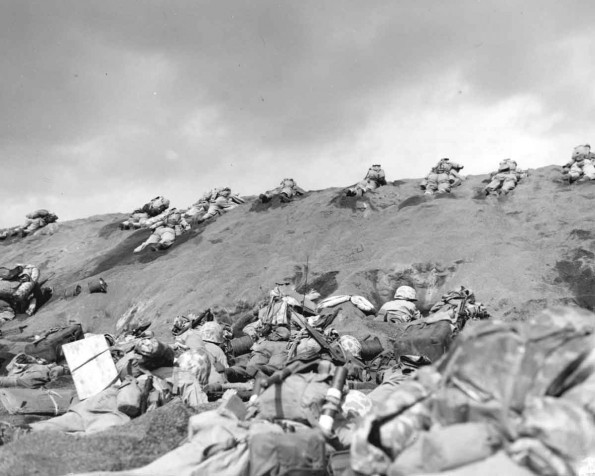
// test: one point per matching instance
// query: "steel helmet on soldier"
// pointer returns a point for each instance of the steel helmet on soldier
(406, 292)
(351, 344)
(211, 332)
(197, 363)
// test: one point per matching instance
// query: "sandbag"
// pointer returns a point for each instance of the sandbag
(27, 401)
(429, 340)
(363, 304)
(275, 454)
(299, 397)
(49, 346)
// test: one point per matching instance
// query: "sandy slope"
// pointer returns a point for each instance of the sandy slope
(518, 253)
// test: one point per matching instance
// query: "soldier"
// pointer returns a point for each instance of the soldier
(374, 178)
(442, 178)
(140, 218)
(26, 371)
(582, 164)
(286, 191)
(220, 201)
(505, 179)
(165, 231)
(212, 335)
(402, 309)
(35, 220)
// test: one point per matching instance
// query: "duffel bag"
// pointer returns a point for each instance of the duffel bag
(301, 452)
(49, 345)
(431, 340)
(36, 401)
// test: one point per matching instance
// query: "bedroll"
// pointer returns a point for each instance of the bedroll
(28, 401)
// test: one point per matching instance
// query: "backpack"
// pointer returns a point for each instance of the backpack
(301, 452)
(581, 151)
(49, 346)
(376, 368)
(431, 340)
(299, 398)
(41, 213)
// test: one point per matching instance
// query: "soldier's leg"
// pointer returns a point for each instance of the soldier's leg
(153, 239)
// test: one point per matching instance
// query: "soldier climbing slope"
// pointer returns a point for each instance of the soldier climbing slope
(34, 221)
(141, 217)
(505, 179)
(170, 226)
(220, 201)
(442, 178)
(581, 166)
(286, 191)
(374, 178)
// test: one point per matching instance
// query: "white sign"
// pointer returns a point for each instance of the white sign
(91, 365)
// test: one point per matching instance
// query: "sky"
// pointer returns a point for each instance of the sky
(106, 104)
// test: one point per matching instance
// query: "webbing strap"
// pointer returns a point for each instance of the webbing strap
(278, 401)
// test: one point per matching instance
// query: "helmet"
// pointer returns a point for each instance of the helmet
(197, 363)
(356, 402)
(181, 325)
(406, 292)
(211, 332)
(308, 345)
(147, 346)
(351, 344)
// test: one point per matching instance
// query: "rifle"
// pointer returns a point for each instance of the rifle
(318, 337)
(206, 315)
(216, 390)
(13, 330)
(138, 330)
(306, 281)
(461, 312)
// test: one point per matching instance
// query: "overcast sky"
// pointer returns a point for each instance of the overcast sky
(107, 104)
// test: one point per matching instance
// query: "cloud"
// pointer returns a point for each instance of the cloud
(174, 98)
